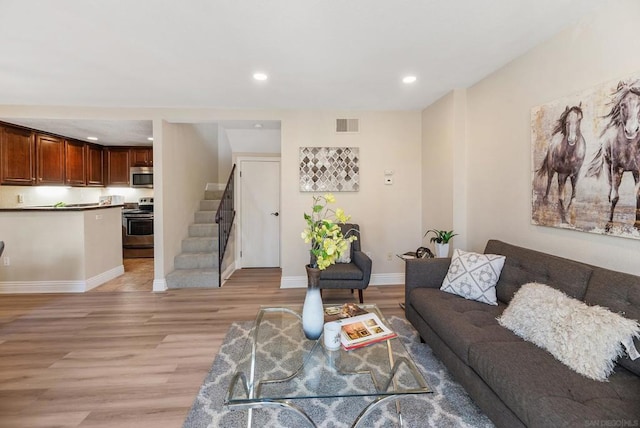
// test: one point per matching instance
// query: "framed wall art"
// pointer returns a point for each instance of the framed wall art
(331, 169)
(586, 160)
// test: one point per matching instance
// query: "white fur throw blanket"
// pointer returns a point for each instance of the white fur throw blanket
(588, 339)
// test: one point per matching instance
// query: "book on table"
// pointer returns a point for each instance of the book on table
(348, 310)
(363, 330)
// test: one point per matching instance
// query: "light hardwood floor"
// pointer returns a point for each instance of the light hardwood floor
(129, 359)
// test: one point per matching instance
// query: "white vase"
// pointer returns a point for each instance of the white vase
(442, 250)
(312, 310)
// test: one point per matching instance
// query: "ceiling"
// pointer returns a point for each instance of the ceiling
(329, 54)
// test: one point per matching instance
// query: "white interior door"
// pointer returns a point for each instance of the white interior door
(260, 213)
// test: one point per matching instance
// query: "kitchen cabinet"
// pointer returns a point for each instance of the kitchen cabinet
(95, 165)
(17, 156)
(75, 168)
(49, 160)
(118, 162)
(142, 156)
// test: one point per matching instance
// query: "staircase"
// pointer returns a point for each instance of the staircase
(197, 265)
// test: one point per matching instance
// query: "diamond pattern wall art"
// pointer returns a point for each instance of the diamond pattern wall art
(332, 169)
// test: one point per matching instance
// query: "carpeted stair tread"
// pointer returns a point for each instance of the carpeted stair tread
(193, 278)
(205, 217)
(197, 244)
(213, 194)
(203, 230)
(196, 261)
(209, 204)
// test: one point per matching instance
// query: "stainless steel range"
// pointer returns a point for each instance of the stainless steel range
(137, 229)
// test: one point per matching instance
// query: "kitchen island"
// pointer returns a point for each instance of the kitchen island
(54, 250)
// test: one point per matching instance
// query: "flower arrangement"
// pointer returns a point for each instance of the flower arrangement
(324, 233)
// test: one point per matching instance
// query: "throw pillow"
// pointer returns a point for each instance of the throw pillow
(345, 257)
(587, 339)
(474, 276)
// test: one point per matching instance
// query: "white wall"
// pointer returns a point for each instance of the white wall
(445, 166)
(188, 163)
(599, 49)
(389, 216)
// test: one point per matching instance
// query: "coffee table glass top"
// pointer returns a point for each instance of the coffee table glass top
(279, 363)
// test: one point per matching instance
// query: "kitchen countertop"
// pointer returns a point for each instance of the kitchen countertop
(70, 207)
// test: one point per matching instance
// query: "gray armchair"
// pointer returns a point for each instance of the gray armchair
(354, 275)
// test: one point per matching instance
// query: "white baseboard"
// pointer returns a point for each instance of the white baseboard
(376, 279)
(227, 273)
(22, 287)
(103, 277)
(160, 285)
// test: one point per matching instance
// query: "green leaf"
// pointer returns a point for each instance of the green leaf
(317, 208)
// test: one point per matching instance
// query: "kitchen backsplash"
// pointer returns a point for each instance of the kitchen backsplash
(49, 195)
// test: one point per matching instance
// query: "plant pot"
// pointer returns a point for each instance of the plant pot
(442, 250)
(312, 310)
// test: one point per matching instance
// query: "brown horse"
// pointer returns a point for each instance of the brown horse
(565, 156)
(620, 147)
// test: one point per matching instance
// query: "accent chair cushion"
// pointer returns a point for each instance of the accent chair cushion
(345, 257)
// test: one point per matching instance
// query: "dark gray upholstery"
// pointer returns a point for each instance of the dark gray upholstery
(514, 382)
(354, 275)
(1, 247)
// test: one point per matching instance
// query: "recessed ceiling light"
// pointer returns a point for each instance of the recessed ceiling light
(409, 79)
(150, 138)
(257, 125)
(92, 138)
(260, 76)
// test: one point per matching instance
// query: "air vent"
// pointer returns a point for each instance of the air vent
(347, 125)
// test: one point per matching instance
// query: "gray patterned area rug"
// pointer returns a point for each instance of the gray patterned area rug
(448, 406)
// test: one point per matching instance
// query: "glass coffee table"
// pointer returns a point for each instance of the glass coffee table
(279, 365)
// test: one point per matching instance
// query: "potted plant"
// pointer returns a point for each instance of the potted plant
(327, 244)
(441, 240)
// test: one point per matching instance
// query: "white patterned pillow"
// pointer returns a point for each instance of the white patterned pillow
(587, 339)
(345, 257)
(474, 276)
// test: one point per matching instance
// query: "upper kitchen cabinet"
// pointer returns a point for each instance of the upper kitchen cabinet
(118, 162)
(142, 156)
(49, 160)
(17, 156)
(95, 165)
(75, 163)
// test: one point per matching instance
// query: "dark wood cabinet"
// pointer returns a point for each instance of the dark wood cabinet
(75, 163)
(118, 162)
(49, 160)
(95, 165)
(17, 156)
(142, 156)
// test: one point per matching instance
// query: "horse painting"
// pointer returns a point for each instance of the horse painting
(564, 157)
(619, 150)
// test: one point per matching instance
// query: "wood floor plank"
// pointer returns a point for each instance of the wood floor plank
(130, 358)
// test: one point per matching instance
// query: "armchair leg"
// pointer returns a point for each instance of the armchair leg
(360, 295)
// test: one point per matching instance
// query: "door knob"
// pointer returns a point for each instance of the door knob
(275, 214)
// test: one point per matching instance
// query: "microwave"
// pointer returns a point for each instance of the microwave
(141, 176)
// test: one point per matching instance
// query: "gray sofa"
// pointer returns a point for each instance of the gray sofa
(513, 381)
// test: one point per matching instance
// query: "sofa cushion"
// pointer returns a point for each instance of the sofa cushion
(540, 390)
(620, 293)
(524, 265)
(459, 322)
(588, 339)
(473, 276)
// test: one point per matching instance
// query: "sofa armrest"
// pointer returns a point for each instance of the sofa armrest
(364, 264)
(425, 273)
